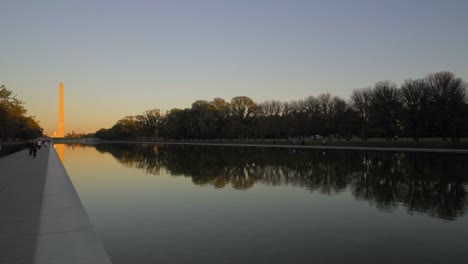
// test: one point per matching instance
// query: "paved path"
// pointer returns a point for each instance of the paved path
(42, 219)
(21, 187)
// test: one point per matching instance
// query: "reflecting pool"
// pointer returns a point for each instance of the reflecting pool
(200, 204)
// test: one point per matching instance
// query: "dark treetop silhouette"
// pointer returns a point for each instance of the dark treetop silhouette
(435, 106)
(14, 123)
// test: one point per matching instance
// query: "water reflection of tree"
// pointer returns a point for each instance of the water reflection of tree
(423, 182)
(142, 156)
(378, 180)
(437, 189)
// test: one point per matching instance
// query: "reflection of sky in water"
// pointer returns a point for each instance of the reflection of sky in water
(147, 218)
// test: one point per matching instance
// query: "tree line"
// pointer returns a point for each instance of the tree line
(434, 106)
(15, 124)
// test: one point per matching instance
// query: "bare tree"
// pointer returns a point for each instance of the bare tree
(447, 97)
(386, 102)
(244, 111)
(243, 107)
(297, 106)
(338, 108)
(325, 101)
(415, 98)
(361, 103)
(312, 107)
(271, 108)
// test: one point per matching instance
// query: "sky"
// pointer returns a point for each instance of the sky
(119, 58)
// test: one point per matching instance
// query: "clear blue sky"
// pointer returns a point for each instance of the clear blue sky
(120, 58)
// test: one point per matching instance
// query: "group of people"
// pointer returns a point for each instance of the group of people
(34, 145)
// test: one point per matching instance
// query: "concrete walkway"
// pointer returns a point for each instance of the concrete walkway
(42, 218)
(21, 189)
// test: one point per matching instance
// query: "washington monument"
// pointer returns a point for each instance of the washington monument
(61, 113)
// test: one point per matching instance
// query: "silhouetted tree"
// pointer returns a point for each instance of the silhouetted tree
(178, 124)
(383, 111)
(361, 101)
(416, 98)
(222, 109)
(447, 99)
(14, 123)
(340, 118)
(386, 105)
(243, 111)
(152, 124)
(204, 113)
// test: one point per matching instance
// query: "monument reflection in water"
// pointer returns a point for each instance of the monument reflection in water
(286, 196)
(60, 148)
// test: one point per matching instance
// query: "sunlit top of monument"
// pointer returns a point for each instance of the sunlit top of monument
(61, 112)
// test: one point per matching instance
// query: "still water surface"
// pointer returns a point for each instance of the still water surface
(195, 204)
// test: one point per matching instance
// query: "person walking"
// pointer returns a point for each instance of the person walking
(30, 147)
(34, 149)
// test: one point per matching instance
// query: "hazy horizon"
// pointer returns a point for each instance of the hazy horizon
(120, 58)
